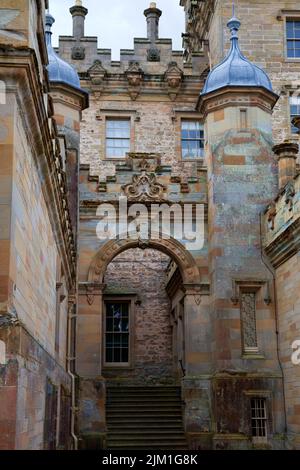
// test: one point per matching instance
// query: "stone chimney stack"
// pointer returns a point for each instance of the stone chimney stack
(78, 13)
(152, 14)
(287, 155)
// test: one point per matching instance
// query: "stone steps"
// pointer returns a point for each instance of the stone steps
(145, 418)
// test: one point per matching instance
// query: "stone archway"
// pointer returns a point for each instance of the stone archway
(174, 249)
(91, 292)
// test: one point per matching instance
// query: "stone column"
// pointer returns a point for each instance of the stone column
(89, 330)
(196, 389)
(78, 13)
(92, 389)
(287, 155)
(152, 14)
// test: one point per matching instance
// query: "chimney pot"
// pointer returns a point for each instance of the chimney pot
(78, 13)
(152, 14)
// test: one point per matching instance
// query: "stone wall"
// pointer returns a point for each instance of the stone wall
(288, 288)
(34, 254)
(143, 273)
(23, 379)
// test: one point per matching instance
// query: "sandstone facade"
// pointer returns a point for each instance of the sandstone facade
(81, 317)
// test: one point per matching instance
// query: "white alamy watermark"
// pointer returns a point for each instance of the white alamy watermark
(183, 222)
(2, 92)
(296, 353)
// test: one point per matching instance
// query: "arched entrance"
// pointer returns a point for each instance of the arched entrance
(100, 294)
(101, 400)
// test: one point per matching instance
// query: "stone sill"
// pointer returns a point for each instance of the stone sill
(253, 356)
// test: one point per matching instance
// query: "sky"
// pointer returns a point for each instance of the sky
(117, 22)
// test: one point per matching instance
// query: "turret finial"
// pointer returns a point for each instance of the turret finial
(234, 24)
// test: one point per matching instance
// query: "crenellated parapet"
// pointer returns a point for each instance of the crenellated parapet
(153, 55)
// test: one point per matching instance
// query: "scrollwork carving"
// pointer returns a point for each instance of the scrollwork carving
(144, 187)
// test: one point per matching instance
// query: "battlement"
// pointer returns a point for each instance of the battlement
(153, 53)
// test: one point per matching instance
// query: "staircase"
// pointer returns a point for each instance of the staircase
(144, 418)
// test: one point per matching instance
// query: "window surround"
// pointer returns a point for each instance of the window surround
(131, 299)
(103, 115)
(178, 117)
(268, 396)
(262, 290)
(284, 16)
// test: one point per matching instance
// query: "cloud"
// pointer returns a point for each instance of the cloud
(117, 22)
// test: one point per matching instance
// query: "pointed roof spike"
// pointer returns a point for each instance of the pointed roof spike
(58, 69)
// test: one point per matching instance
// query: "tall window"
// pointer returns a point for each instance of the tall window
(294, 110)
(293, 38)
(117, 137)
(117, 333)
(192, 140)
(248, 319)
(258, 417)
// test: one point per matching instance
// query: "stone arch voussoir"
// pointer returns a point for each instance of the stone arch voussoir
(171, 247)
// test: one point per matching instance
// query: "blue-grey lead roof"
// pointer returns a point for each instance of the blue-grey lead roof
(235, 69)
(58, 69)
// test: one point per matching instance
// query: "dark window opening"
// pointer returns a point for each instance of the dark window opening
(258, 417)
(117, 332)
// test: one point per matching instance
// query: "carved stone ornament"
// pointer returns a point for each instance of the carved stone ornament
(92, 290)
(78, 53)
(272, 212)
(97, 74)
(144, 187)
(289, 194)
(135, 76)
(153, 54)
(173, 79)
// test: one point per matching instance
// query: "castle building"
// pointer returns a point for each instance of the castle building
(180, 329)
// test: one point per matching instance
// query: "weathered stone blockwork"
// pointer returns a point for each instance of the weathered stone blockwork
(262, 42)
(143, 273)
(37, 243)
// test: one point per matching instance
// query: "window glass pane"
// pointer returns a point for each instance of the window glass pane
(124, 325)
(117, 137)
(294, 111)
(109, 324)
(124, 355)
(109, 340)
(117, 332)
(289, 29)
(192, 139)
(109, 354)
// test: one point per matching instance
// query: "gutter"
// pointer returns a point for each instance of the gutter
(70, 359)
